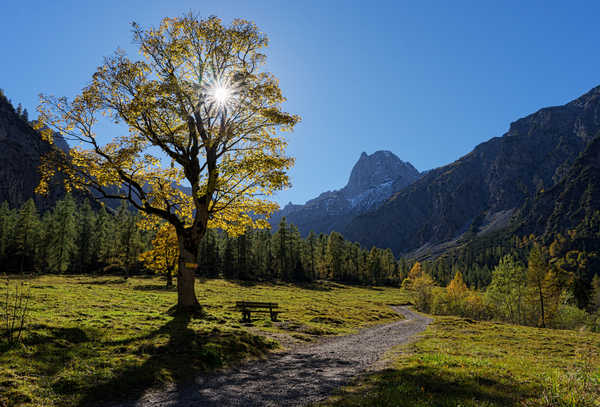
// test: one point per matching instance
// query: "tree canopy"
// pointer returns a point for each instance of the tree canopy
(199, 111)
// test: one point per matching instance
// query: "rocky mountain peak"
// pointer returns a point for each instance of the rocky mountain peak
(376, 169)
(373, 180)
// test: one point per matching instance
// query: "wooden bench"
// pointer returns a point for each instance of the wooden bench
(248, 307)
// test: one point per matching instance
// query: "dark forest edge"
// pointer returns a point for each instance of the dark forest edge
(74, 238)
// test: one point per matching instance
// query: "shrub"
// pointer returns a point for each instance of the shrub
(570, 317)
(423, 287)
(594, 322)
(475, 307)
(440, 304)
(14, 309)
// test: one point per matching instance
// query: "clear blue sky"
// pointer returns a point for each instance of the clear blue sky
(426, 80)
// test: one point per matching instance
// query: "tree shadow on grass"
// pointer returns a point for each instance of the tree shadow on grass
(434, 387)
(45, 351)
(103, 282)
(186, 354)
(155, 287)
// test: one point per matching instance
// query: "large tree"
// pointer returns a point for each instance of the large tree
(197, 111)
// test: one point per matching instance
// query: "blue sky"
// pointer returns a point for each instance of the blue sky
(425, 80)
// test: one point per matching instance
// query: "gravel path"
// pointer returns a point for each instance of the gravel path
(301, 376)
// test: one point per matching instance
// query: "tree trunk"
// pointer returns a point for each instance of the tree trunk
(542, 304)
(169, 277)
(186, 273)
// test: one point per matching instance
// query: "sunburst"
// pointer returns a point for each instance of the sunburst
(221, 93)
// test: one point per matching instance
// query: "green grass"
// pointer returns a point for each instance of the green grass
(457, 362)
(90, 339)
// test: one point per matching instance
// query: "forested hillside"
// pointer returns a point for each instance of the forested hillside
(572, 201)
(565, 219)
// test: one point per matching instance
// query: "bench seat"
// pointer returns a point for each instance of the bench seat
(248, 307)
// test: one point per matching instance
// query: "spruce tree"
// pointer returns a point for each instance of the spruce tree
(281, 253)
(27, 231)
(8, 219)
(229, 261)
(63, 235)
(85, 240)
(333, 257)
(595, 294)
(312, 243)
(104, 239)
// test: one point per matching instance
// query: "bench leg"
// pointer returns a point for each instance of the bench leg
(274, 316)
(246, 317)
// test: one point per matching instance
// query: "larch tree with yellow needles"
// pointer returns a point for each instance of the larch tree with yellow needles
(164, 255)
(197, 110)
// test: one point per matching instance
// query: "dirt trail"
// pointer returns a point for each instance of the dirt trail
(301, 376)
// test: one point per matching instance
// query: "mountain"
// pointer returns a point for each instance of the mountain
(483, 188)
(374, 178)
(20, 150)
(565, 205)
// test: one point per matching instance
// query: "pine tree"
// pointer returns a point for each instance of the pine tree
(595, 294)
(44, 247)
(8, 219)
(130, 239)
(374, 266)
(63, 235)
(312, 243)
(242, 256)
(104, 239)
(334, 256)
(552, 291)
(281, 250)
(26, 234)
(85, 240)
(229, 261)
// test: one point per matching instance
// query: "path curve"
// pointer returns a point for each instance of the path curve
(304, 375)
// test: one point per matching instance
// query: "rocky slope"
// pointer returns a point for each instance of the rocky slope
(570, 201)
(374, 178)
(20, 151)
(496, 177)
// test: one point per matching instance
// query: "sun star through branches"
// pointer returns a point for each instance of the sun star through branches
(221, 93)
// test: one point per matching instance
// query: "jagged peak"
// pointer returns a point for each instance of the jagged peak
(375, 169)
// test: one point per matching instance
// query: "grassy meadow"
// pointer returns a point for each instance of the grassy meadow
(92, 339)
(460, 362)
(89, 339)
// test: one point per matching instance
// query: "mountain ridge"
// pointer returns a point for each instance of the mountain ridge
(498, 175)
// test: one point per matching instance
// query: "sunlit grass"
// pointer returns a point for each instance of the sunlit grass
(99, 338)
(457, 362)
